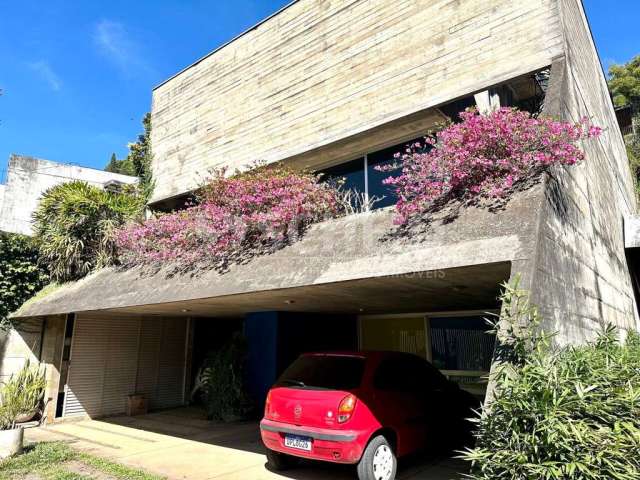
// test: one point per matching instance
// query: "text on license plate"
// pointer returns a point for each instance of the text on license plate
(295, 441)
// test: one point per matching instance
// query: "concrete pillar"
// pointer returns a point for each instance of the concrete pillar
(52, 345)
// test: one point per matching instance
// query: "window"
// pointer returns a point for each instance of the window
(461, 343)
(361, 176)
(331, 372)
(407, 373)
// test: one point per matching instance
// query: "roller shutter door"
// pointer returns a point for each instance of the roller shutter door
(115, 356)
(83, 392)
(170, 386)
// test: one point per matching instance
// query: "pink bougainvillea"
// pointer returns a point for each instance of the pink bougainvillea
(483, 155)
(236, 217)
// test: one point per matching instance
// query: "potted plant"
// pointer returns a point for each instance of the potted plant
(21, 398)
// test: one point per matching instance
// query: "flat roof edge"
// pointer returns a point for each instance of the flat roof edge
(217, 49)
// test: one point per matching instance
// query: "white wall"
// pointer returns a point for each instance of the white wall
(28, 178)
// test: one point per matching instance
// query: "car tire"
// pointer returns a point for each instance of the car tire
(277, 461)
(378, 461)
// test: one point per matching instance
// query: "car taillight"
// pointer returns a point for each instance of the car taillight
(346, 408)
(267, 404)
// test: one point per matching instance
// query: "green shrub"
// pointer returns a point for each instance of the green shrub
(567, 413)
(22, 394)
(20, 275)
(220, 380)
(75, 225)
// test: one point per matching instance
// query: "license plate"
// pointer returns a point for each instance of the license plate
(297, 442)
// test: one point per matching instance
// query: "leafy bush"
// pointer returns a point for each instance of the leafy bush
(569, 413)
(75, 226)
(20, 274)
(236, 217)
(483, 155)
(22, 394)
(221, 382)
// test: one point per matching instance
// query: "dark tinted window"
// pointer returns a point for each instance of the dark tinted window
(333, 372)
(386, 193)
(349, 175)
(407, 374)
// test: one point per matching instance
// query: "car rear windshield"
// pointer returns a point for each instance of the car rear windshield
(331, 372)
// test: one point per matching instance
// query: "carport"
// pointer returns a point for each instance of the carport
(180, 444)
(350, 283)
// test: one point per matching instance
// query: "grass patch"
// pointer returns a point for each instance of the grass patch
(48, 460)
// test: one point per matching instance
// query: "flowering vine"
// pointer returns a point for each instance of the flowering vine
(483, 155)
(234, 218)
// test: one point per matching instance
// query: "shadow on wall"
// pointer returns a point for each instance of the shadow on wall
(18, 345)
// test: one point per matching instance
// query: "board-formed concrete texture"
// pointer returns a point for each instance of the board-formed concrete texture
(580, 278)
(323, 73)
(320, 72)
(28, 178)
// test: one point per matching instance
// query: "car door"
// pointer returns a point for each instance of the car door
(438, 401)
(398, 402)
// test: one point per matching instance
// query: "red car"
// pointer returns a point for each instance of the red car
(364, 408)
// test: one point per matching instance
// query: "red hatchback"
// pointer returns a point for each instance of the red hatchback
(364, 408)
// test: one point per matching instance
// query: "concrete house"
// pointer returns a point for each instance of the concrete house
(339, 86)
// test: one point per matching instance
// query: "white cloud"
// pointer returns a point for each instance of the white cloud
(46, 73)
(117, 45)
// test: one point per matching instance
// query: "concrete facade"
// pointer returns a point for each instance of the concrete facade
(326, 81)
(28, 178)
(580, 277)
(320, 72)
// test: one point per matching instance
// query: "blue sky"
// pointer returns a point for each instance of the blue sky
(77, 76)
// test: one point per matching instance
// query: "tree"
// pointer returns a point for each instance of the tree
(119, 166)
(20, 274)
(138, 160)
(624, 83)
(75, 225)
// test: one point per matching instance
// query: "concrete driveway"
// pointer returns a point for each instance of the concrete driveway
(181, 444)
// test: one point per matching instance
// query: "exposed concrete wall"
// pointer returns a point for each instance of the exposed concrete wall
(28, 178)
(580, 278)
(19, 345)
(322, 71)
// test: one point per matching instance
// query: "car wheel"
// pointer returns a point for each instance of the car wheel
(378, 461)
(281, 461)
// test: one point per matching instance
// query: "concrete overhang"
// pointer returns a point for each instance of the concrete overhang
(359, 261)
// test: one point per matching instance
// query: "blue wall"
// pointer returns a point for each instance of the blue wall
(261, 333)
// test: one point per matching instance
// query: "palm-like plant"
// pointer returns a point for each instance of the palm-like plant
(75, 226)
(22, 394)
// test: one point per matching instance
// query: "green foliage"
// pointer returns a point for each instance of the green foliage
(221, 381)
(138, 160)
(568, 413)
(75, 225)
(624, 82)
(49, 461)
(20, 274)
(119, 166)
(22, 394)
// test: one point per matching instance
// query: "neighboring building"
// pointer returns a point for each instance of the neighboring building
(340, 86)
(28, 178)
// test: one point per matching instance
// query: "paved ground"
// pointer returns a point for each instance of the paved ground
(181, 444)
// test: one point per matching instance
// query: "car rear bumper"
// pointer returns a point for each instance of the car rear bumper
(339, 446)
